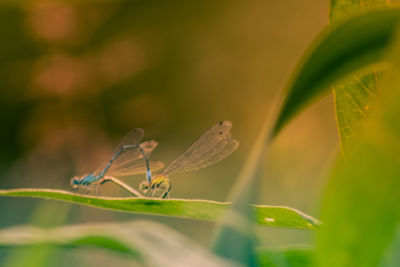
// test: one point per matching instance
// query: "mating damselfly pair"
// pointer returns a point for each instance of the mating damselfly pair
(131, 157)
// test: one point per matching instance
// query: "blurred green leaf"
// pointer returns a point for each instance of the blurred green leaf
(290, 257)
(146, 241)
(185, 208)
(352, 104)
(360, 207)
(355, 43)
(392, 255)
(41, 255)
(235, 239)
(352, 96)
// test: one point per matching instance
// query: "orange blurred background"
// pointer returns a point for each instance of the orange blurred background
(76, 77)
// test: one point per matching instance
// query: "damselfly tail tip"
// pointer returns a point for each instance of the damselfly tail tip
(144, 187)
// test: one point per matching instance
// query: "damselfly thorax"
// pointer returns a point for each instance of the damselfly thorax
(159, 186)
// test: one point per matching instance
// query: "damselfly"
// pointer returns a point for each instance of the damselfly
(213, 146)
(130, 157)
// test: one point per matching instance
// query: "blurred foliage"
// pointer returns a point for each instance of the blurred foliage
(235, 238)
(290, 257)
(143, 241)
(361, 200)
(39, 254)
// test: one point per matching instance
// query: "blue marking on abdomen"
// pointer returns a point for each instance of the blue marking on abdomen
(88, 179)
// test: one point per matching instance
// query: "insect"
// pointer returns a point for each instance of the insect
(213, 146)
(130, 157)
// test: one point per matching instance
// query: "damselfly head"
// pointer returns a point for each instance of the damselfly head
(144, 187)
(159, 186)
(75, 182)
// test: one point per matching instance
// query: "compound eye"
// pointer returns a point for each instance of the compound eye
(144, 187)
(74, 182)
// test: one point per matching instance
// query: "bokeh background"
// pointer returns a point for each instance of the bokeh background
(76, 76)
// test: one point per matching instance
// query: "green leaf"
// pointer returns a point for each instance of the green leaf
(360, 208)
(146, 241)
(353, 96)
(289, 257)
(361, 204)
(185, 208)
(355, 43)
(353, 99)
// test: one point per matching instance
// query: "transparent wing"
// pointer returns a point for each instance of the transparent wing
(213, 146)
(136, 167)
(132, 138)
(221, 150)
(131, 160)
(148, 147)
